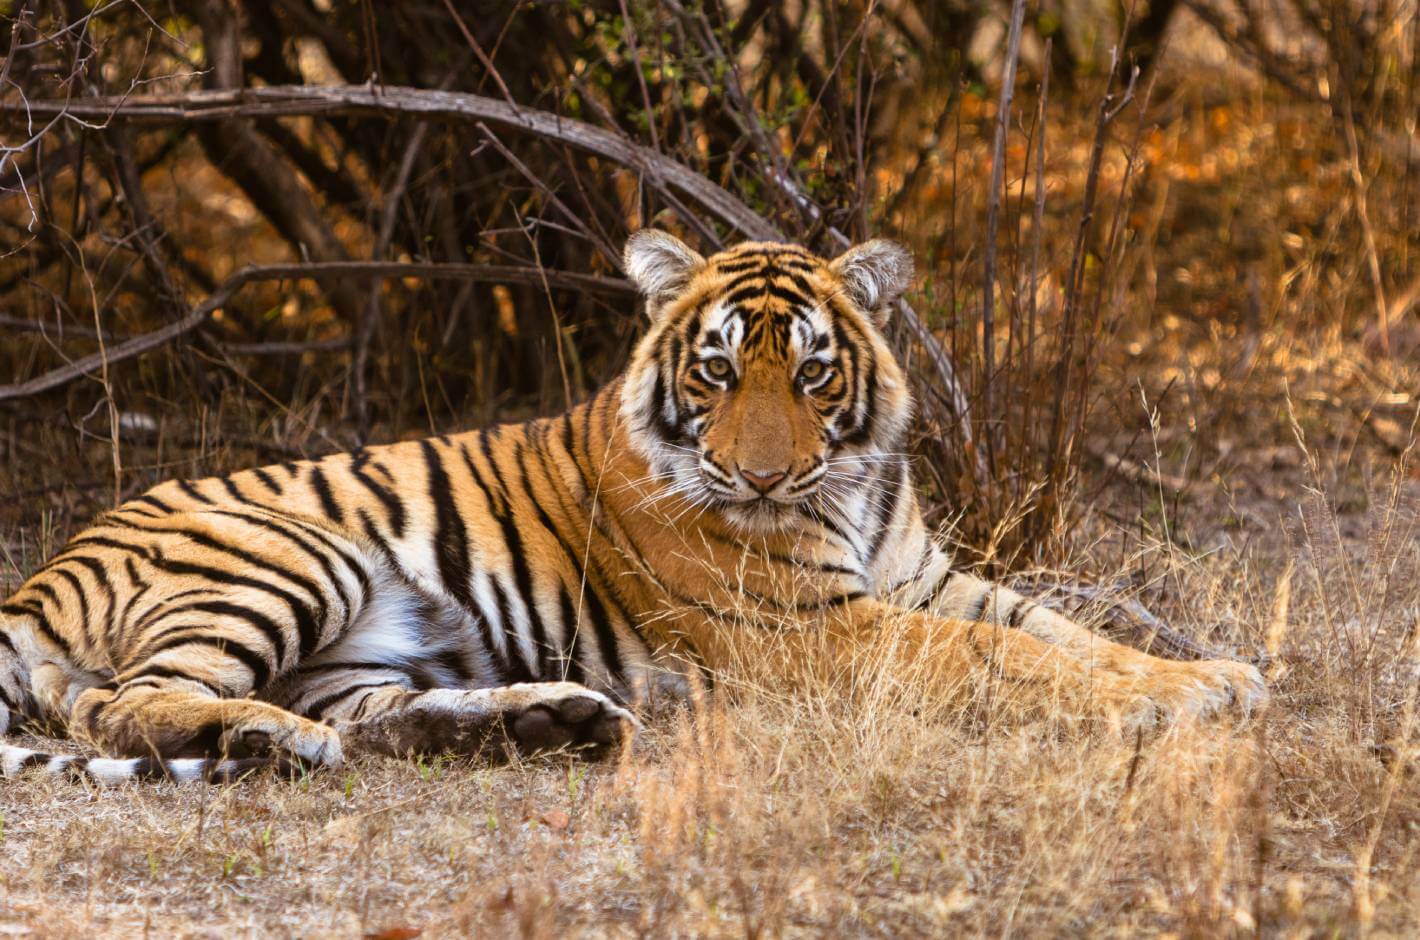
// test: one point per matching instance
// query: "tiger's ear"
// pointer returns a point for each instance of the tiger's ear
(874, 275)
(660, 265)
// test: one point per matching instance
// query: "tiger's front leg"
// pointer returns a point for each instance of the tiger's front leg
(953, 656)
(377, 710)
(1199, 687)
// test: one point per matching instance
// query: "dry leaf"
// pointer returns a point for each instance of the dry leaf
(395, 933)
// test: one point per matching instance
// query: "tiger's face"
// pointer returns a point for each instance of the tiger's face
(764, 387)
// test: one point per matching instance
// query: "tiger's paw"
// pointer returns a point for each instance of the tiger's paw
(551, 716)
(1240, 685)
(525, 719)
(296, 739)
(1183, 692)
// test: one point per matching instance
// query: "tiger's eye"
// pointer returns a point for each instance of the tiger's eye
(718, 367)
(812, 370)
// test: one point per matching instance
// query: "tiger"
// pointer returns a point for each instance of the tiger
(530, 587)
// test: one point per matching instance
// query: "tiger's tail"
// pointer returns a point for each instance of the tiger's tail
(110, 771)
(17, 705)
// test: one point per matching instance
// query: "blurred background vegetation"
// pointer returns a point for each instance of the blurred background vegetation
(1158, 242)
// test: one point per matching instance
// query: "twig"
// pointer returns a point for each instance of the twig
(267, 348)
(608, 253)
(279, 272)
(1368, 234)
(1074, 281)
(993, 221)
(1037, 228)
(365, 325)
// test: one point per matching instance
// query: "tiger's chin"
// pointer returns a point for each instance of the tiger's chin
(761, 515)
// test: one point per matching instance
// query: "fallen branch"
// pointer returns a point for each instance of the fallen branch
(202, 313)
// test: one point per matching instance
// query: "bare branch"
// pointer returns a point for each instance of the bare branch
(202, 313)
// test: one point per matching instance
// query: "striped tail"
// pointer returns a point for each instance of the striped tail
(109, 771)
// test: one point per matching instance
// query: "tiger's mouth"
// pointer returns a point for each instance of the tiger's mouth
(724, 490)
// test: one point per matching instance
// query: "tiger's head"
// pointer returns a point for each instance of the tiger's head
(764, 384)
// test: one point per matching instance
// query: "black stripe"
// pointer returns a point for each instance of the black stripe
(450, 533)
(451, 545)
(837, 600)
(735, 267)
(595, 578)
(517, 554)
(278, 525)
(391, 502)
(373, 533)
(790, 297)
(835, 529)
(571, 669)
(232, 490)
(513, 666)
(260, 669)
(101, 578)
(452, 660)
(564, 431)
(327, 498)
(221, 608)
(978, 606)
(318, 708)
(34, 760)
(139, 589)
(42, 588)
(1018, 612)
(931, 595)
(155, 502)
(35, 610)
(669, 431)
(140, 511)
(145, 552)
(601, 623)
(73, 581)
(268, 481)
(155, 673)
(187, 487)
(884, 514)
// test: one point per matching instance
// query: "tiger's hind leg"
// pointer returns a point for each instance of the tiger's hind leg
(378, 710)
(159, 715)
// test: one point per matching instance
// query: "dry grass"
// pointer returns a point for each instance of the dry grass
(801, 804)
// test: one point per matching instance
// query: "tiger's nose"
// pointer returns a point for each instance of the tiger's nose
(762, 480)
